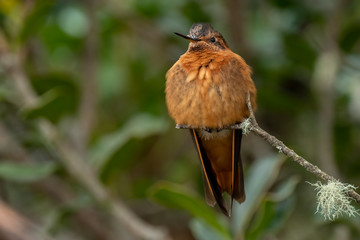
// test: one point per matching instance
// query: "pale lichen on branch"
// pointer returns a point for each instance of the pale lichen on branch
(333, 196)
(291, 154)
(333, 201)
(250, 125)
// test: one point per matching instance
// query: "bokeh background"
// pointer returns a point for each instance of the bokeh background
(88, 150)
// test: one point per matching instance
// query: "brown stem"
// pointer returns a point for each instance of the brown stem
(88, 101)
(281, 147)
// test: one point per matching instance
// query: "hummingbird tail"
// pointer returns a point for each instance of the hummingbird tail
(213, 192)
(238, 191)
(217, 182)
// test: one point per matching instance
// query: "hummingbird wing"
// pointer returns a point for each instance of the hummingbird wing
(238, 191)
(209, 197)
(212, 189)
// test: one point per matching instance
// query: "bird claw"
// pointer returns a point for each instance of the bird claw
(184, 126)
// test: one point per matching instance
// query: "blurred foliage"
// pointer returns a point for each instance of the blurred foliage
(132, 145)
(26, 173)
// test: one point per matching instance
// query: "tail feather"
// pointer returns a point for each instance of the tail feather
(238, 191)
(212, 188)
(222, 170)
(209, 196)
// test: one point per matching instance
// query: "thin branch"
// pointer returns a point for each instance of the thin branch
(88, 101)
(281, 147)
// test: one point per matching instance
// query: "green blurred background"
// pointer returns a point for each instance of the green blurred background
(84, 125)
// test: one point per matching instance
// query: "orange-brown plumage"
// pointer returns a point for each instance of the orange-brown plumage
(206, 89)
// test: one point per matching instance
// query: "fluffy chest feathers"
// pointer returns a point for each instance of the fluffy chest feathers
(208, 90)
(203, 67)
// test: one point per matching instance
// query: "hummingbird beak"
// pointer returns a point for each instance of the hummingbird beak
(187, 37)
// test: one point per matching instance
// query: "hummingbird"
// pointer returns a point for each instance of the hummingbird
(206, 91)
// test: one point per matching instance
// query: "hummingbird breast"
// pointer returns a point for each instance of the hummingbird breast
(208, 90)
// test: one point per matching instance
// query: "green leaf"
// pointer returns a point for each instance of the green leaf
(284, 190)
(350, 36)
(52, 105)
(48, 80)
(270, 218)
(177, 197)
(261, 176)
(62, 213)
(36, 19)
(203, 231)
(26, 173)
(260, 224)
(59, 95)
(140, 126)
(274, 210)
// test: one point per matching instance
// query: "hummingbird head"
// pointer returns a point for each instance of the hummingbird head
(202, 36)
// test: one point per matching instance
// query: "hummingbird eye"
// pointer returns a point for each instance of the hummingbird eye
(213, 40)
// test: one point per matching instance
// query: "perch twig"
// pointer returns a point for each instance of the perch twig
(281, 147)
